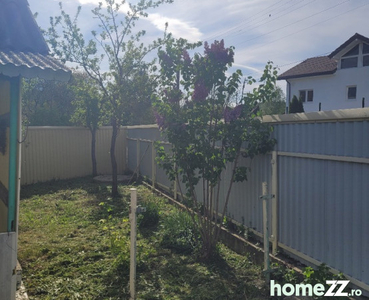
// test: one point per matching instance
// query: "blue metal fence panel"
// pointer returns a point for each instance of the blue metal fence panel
(330, 138)
(131, 155)
(146, 158)
(322, 204)
(301, 205)
(245, 205)
(161, 176)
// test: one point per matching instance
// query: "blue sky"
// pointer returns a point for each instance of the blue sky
(283, 31)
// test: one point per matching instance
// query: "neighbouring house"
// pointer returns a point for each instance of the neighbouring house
(337, 81)
(23, 53)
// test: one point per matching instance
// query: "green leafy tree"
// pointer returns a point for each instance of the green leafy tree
(114, 42)
(296, 106)
(141, 86)
(89, 109)
(47, 102)
(276, 105)
(208, 136)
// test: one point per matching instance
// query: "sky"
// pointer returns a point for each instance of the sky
(285, 32)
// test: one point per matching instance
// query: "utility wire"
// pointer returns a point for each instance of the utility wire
(273, 19)
(244, 22)
(308, 17)
(311, 26)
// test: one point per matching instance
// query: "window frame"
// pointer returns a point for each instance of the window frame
(361, 59)
(348, 92)
(306, 93)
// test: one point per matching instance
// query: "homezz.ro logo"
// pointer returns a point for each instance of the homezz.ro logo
(336, 289)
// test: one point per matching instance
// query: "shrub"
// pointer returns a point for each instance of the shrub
(296, 106)
(180, 233)
(151, 217)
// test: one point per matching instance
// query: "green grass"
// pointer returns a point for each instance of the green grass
(74, 244)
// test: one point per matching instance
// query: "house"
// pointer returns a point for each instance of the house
(337, 81)
(23, 53)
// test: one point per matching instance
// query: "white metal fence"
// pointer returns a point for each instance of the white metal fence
(65, 152)
(319, 174)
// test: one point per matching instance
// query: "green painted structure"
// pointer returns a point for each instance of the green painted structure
(23, 53)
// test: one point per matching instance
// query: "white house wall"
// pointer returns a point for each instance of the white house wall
(331, 90)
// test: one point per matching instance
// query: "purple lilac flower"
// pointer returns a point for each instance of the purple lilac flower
(218, 52)
(200, 92)
(174, 96)
(160, 120)
(166, 59)
(230, 114)
(186, 56)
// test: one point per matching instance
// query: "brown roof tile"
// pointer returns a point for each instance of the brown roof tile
(355, 37)
(314, 66)
(321, 65)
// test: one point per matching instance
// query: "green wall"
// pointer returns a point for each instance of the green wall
(4, 158)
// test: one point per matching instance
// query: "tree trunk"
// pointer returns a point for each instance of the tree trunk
(93, 152)
(114, 190)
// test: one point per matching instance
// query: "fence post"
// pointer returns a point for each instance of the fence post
(274, 202)
(138, 157)
(153, 165)
(265, 198)
(175, 185)
(133, 219)
(125, 145)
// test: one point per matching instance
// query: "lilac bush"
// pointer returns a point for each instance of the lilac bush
(208, 126)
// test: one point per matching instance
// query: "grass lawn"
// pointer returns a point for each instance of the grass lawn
(74, 244)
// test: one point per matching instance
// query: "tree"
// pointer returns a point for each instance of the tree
(296, 106)
(276, 105)
(89, 109)
(208, 136)
(47, 102)
(115, 42)
(139, 108)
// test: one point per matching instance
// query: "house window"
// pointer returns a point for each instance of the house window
(302, 96)
(350, 62)
(310, 95)
(351, 92)
(356, 57)
(306, 95)
(365, 55)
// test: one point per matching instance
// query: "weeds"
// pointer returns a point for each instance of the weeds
(180, 234)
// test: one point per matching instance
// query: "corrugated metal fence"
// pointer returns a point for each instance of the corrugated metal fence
(65, 152)
(319, 174)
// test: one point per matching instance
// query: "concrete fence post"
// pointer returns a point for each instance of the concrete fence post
(175, 187)
(153, 164)
(133, 219)
(138, 157)
(265, 197)
(274, 202)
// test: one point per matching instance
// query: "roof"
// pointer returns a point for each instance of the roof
(23, 50)
(30, 65)
(354, 38)
(321, 65)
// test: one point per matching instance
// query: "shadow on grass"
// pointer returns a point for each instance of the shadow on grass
(55, 186)
(99, 195)
(169, 275)
(186, 278)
